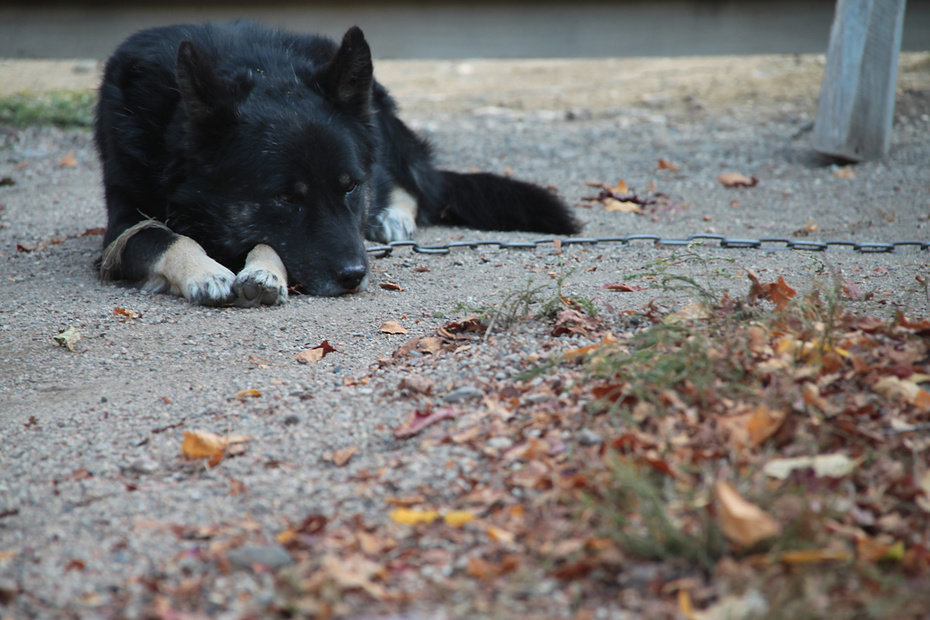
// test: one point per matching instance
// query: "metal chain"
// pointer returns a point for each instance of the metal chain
(764, 243)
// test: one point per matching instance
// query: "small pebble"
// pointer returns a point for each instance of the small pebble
(144, 465)
(459, 395)
(587, 437)
(271, 556)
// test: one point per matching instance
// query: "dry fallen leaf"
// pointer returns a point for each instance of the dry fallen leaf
(620, 188)
(735, 179)
(412, 516)
(199, 444)
(391, 286)
(665, 164)
(417, 420)
(688, 313)
(896, 390)
(340, 457)
(69, 338)
(458, 518)
(824, 466)
(742, 522)
(246, 394)
(847, 173)
(392, 327)
(68, 161)
(125, 314)
(621, 206)
(763, 423)
(623, 287)
(315, 354)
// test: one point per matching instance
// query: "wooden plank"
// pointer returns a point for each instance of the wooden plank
(856, 109)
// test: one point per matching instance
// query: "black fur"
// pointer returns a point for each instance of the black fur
(236, 135)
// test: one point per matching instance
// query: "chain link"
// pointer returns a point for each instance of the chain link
(763, 243)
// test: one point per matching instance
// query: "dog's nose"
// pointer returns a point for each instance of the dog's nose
(350, 276)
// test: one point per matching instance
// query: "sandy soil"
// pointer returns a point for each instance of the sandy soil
(93, 483)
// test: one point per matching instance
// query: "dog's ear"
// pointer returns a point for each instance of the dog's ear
(205, 94)
(347, 80)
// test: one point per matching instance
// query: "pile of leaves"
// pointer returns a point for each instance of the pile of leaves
(762, 457)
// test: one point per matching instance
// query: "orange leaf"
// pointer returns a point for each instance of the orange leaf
(742, 522)
(481, 569)
(621, 206)
(815, 556)
(204, 444)
(68, 161)
(735, 179)
(311, 356)
(458, 518)
(245, 394)
(410, 516)
(392, 327)
(391, 286)
(201, 444)
(125, 313)
(620, 188)
(763, 423)
(500, 535)
(340, 457)
(665, 164)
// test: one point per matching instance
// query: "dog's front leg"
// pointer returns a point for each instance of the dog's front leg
(185, 269)
(161, 261)
(263, 280)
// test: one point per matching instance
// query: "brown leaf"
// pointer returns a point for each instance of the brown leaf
(742, 522)
(620, 188)
(735, 179)
(778, 292)
(621, 206)
(431, 344)
(480, 568)
(391, 286)
(417, 384)
(392, 327)
(125, 313)
(763, 423)
(623, 288)
(339, 458)
(199, 444)
(571, 321)
(419, 420)
(246, 394)
(311, 356)
(665, 164)
(68, 161)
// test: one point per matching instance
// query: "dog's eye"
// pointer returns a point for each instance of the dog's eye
(288, 198)
(350, 187)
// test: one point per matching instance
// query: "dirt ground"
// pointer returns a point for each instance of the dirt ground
(100, 516)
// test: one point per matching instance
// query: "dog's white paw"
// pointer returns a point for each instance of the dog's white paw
(185, 269)
(255, 285)
(210, 288)
(263, 280)
(398, 221)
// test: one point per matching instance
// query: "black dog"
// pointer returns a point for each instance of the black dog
(238, 159)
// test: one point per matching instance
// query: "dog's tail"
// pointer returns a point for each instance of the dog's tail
(478, 200)
(491, 202)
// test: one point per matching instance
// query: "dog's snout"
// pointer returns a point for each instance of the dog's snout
(350, 276)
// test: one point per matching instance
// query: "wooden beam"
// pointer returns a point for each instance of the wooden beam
(856, 109)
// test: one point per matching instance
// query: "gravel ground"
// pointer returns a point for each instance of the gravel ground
(95, 499)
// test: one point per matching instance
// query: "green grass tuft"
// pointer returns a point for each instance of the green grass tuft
(59, 108)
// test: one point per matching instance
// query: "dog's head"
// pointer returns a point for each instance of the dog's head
(281, 155)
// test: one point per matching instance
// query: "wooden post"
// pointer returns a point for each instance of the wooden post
(856, 109)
